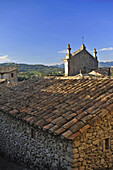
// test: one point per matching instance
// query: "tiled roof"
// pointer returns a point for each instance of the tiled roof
(76, 52)
(79, 50)
(66, 108)
(8, 69)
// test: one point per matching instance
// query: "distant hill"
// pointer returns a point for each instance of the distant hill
(106, 64)
(41, 67)
(101, 64)
(59, 65)
(26, 71)
(31, 67)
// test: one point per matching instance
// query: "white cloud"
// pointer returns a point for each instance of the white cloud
(62, 52)
(106, 61)
(106, 49)
(4, 58)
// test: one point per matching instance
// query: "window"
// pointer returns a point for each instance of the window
(12, 75)
(107, 143)
(32, 133)
(2, 76)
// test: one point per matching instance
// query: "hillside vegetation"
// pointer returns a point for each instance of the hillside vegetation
(26, 71)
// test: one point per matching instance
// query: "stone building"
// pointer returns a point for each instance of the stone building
(59, 124)
(9, 73)
(80, 61)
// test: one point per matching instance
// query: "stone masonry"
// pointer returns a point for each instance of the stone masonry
(58, 124)
(9, 74)
(80, 61)
(42, 151)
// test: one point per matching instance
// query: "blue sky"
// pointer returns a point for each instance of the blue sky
(38, 31)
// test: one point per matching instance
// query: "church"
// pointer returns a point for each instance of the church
(80, 61)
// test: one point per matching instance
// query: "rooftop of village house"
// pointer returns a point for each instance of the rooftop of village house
(8, 69)
(66, 108)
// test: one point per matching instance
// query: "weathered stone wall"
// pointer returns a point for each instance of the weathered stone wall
(90, 150)
(9, 73)
(42, 151)
(82, 61)
(14, 78)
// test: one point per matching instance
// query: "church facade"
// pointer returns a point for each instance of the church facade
(80, 61)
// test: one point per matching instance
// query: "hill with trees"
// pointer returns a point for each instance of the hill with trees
(26, 71)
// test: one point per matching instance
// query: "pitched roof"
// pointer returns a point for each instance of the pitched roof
(8, 69)
(80, 50)
(76, 52)
(65, 108)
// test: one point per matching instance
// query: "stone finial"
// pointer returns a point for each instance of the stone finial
(68, 48)
(95, 53)
(83, 47)
(68, 51)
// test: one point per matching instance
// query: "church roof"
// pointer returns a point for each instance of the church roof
(65, 108)
(81, 49)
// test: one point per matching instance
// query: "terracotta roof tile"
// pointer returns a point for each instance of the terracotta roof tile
(51, 118)
(77, 126)
(110, 107)
(102, 113)
(81, 115)
(84, 128)
(59, 131)
(72, 137)
(70, 123)
(70, 116)
(54, 128)
(14, 112)
(62, 107)
(48, 126)
(40, 123)
(87, 118)
(59, 121)
(67, 134)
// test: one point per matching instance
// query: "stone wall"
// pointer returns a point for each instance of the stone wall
(82, 61)
(31, 146)
(8, 73)
(94, 150)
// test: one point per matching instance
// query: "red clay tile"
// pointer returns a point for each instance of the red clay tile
(48, 126)
(41, 123)
(70, 123)
(51, 118)
(78, 117)
(72, 137)
(77, 126)
(70, 116)
(110, 107)
(59, 101)
(14, 112)
(84, 128)
(67, 134)
(59, 131)
(102, 113)
(54, 128)
(30, 119)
